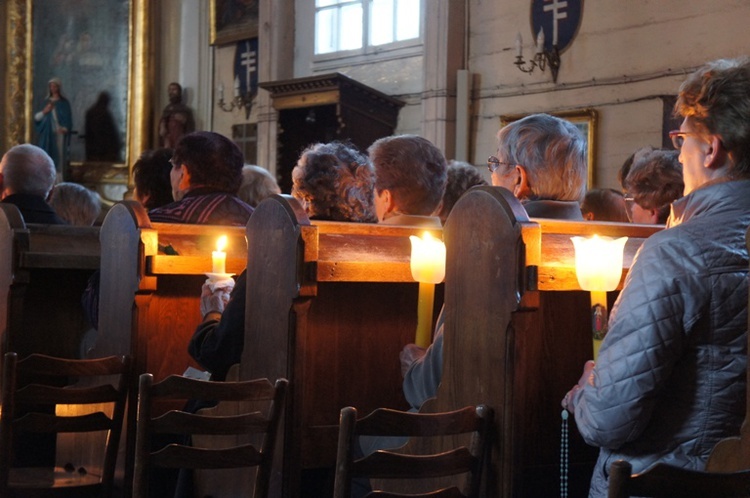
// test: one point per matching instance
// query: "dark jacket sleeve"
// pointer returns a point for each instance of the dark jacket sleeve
(217, 344)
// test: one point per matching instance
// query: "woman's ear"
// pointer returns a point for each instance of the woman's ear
(716, 155)
(521, 188)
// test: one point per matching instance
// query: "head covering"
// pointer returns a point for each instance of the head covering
(56, 81)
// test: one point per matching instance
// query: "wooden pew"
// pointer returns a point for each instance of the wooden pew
(329, 306)
(149, 301)
(44, 270)
(517, 333)
(43, 273)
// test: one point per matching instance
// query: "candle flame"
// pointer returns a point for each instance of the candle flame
(221, 243)
(427, 259)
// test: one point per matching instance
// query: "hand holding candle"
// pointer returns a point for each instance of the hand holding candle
(427, 268)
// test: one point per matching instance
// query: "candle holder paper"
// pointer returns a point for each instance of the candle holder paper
(598, 269)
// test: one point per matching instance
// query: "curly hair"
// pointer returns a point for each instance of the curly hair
(716, 100)
(655, 181)
(461, 177)
(335, 181)
(412, 169)
(151, 177)
(211, 159)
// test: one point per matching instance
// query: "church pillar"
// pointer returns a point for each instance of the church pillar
(276, 62)
(444, 56)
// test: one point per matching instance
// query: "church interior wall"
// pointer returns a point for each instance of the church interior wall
(624, 57)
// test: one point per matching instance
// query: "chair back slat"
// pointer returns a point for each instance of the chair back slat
(200, 458)
(452, 492)
(42, 422)
(179, 387)
(249, 423)
(36, 393)
(250, 429)
(387, 422)
(387, 465)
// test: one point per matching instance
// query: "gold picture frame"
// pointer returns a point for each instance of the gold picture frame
(19, 78)
(233, 20)
(586, 121)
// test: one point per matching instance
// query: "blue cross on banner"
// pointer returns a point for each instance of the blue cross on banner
(559, 19)
(246, 66)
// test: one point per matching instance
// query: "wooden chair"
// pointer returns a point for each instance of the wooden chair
(246, 423)
(384, 464)
(30, 387)
(664, 480)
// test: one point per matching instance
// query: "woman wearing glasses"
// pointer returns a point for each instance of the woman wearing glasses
(671, 375)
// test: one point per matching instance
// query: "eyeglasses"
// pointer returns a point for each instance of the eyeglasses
(629, 203)
(678, 137)
(493, 163)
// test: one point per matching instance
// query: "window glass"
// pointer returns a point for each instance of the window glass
(343, 25)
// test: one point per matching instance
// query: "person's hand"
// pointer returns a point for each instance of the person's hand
(409, 355)
(214, 301)
(586, 378)
(48, 108)
(62, 130)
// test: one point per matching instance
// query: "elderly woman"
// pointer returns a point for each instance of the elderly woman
(335, 182)
(670, 379)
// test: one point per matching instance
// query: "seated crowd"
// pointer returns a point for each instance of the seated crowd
(669, 382)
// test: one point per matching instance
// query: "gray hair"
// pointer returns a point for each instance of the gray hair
(257, 184)
(553, 153)
(28, 169)
(75, 203)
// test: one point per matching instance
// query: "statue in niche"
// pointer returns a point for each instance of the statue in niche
(176, 119)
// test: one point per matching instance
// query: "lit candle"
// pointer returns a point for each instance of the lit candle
(598, 269)
(219, 257)
(519, 45)
(540, 41)
(237, 86)
(427, 268)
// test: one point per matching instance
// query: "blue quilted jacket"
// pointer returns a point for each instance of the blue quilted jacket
(670, 379)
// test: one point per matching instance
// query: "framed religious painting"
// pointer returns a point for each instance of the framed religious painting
(96, 53)
(94, 50)
(233, 20)
(583, 119)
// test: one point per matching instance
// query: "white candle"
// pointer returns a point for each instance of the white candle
(427, 268)
(519, 45)
(540, 41)
(236, 86)
(221, 91)
(427, 259)
(219, 257)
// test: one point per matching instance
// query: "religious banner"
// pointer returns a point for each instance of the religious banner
(558, 20)
(246, 69)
